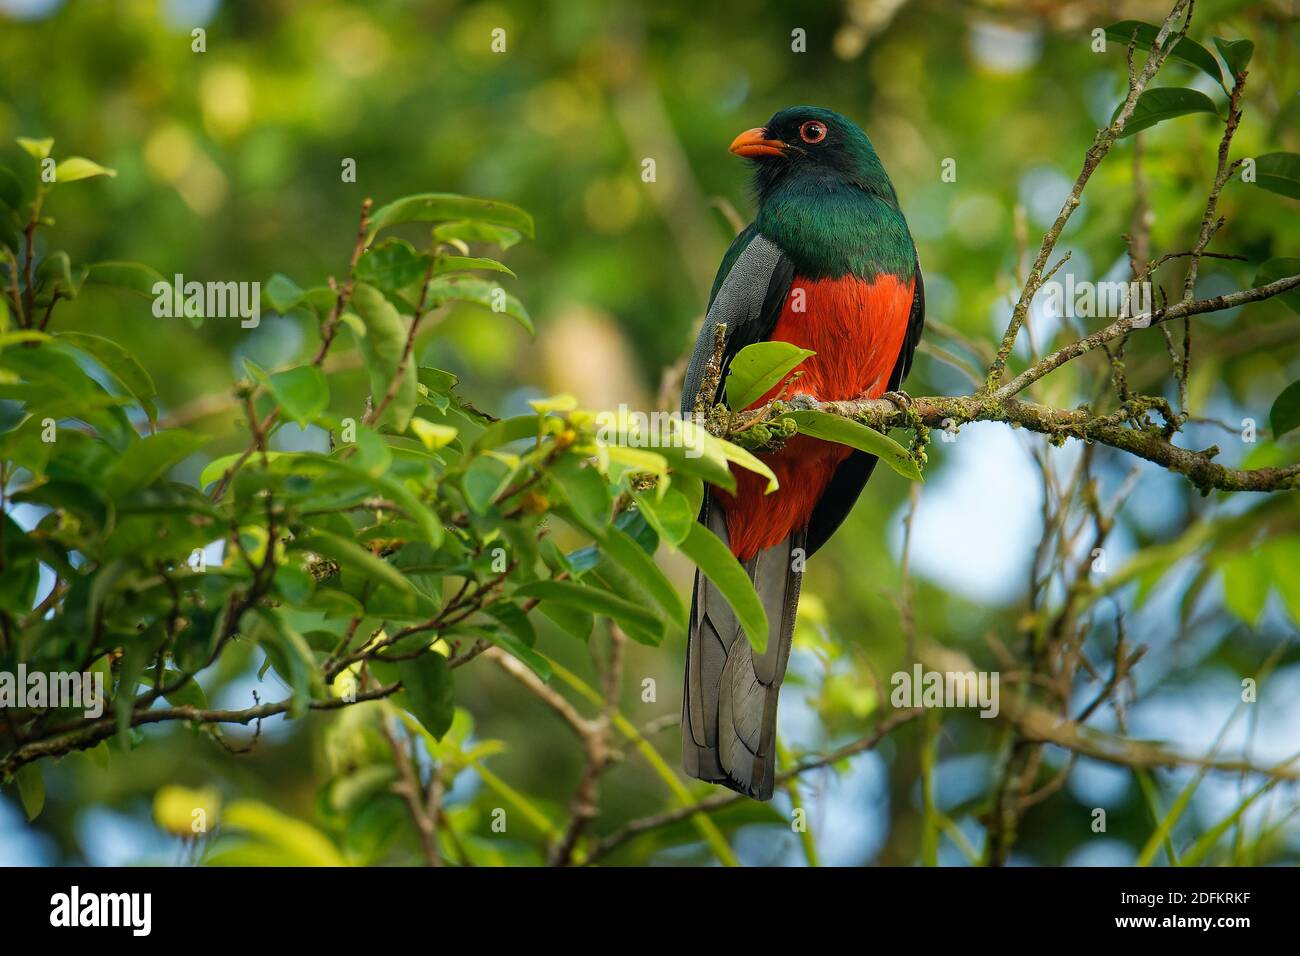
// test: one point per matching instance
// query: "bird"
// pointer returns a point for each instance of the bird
(829, 265)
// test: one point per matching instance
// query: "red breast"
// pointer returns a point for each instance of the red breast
(856, 327)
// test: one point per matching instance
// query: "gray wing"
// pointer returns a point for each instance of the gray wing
(748, 294)
(730, 695)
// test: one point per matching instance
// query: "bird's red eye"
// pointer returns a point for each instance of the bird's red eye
(812, 131)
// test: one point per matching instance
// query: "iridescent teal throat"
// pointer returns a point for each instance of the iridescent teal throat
(832, 228)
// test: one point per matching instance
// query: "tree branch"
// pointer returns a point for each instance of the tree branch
(1127, 324)
(1146, 442)
(1101, 145)
(1035, 723)
(724, 798)
(103, 728)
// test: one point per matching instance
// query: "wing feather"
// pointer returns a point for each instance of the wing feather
(748, 295)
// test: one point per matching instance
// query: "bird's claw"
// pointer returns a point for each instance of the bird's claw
(901, 399)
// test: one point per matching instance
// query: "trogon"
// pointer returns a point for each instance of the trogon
(828, 265)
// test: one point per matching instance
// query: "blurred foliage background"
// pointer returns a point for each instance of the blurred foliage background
(229, 168)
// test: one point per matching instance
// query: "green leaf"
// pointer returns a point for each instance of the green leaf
(587, 493)
(1156, 106)
(686, 446)
(1186, 49)
(633, 524)
(720, 566)
(31, 790)
(845, 431)
(1245, 586)
(671, 516)
(374, 456)
(383, 346)
(22, 336)
(299, 843)
(188, 694)
(387, 485)
(1279, 173)
(1285, 413)
(485, 478)
(38, 149)
(392, 264)
(302, 392)
(351, 555)
(19, 582)
(593, 600)
(447, 264)
(1283, 554)
(132, 276)
(322, 299)
(757, 368)
(515, 619)
(636, 460)
(1275, 269)
(11, 190)
(563, 402)
(1235, 53)
(119, 363)
(432, 435)
(438, 380)
(138, 654)
(740, 456)
(55, 274)
(568, 619)
(437, 388)
(294, 583)
(427, 688)
(470, 231)
(436, 207)
(148, 459)
(609, 576)
(517, 648)
(507, 430)
(55, 385)
(78, 167)
(217, 467)
(626, 552)
(481, 292)
(282, 293)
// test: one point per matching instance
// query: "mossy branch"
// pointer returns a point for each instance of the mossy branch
(1130, 429)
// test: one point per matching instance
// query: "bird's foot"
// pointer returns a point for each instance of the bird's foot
(899, 398)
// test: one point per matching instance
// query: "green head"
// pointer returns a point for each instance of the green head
(807, 147)
(824, 196)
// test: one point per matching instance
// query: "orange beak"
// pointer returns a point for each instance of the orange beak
(754, 142)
